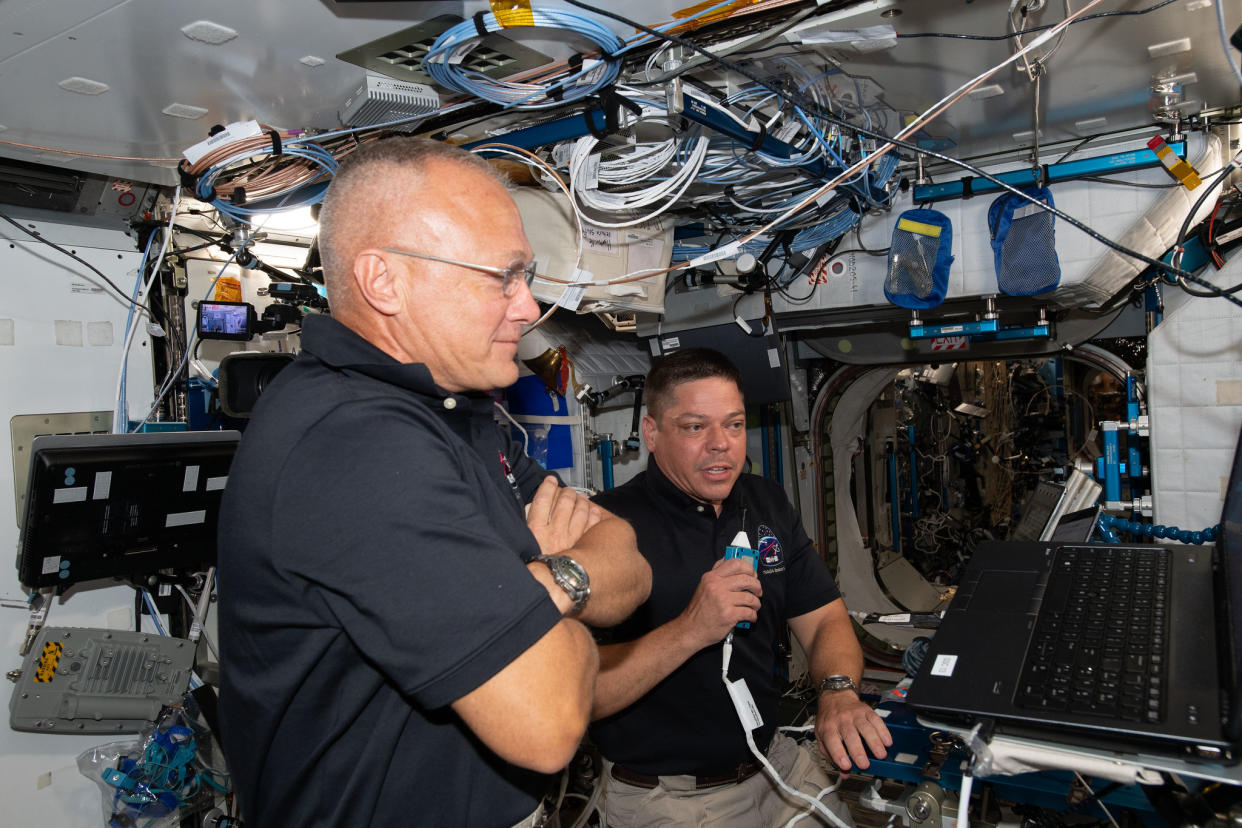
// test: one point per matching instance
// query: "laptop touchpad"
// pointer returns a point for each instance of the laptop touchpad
(1003, 591)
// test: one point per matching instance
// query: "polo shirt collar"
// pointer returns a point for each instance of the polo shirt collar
(664, 489)
(338, 346)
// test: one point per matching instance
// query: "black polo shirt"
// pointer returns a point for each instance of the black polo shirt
(687, 723)
(371, 573)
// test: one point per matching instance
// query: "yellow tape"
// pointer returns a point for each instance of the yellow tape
(919, 227)
(511, 13)
(45, 670)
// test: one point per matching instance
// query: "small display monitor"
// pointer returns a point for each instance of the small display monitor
(122, 505)
(226, 320)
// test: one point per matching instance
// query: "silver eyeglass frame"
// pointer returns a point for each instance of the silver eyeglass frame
(509, 276)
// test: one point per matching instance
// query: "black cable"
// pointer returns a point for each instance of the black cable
(1075, 148)
(1034, 29)
(179, 251)
(1181, 239)
(225, 244)
(811, 106)
(34, 235)
(1099, 179)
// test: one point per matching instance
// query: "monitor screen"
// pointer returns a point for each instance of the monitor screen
(122, 505)
(225, 320)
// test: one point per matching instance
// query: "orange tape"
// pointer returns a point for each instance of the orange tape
(228, 289)
(690, 11)
(511, 13)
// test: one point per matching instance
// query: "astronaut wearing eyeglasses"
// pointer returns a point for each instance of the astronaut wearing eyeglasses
(403, 590)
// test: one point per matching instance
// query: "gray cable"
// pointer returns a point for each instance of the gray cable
(1224, 40)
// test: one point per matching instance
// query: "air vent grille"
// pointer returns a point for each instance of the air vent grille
(400, 55)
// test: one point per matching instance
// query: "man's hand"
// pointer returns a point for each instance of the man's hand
(847, 727)
(558, 516)
(727, 593)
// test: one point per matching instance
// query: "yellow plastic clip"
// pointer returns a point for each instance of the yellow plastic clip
(512, 13)
(1179, 168)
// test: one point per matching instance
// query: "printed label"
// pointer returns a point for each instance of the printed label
(944, 665)
(745, 704)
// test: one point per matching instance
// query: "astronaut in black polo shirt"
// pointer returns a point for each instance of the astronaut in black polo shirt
(676, 749)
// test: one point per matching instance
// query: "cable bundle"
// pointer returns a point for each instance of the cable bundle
(585, 76)
(668, 191)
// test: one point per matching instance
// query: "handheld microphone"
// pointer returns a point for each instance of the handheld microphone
(740, 548)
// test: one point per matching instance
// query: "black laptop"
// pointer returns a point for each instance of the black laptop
(1131, 648)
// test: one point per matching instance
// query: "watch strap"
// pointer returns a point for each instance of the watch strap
(837, 682)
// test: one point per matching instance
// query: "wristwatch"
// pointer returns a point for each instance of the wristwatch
(569, 576)
(837, 682)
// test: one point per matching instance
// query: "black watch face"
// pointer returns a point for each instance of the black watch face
(568, 570)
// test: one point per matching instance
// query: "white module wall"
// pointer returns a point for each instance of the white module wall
(61, 332)
(1090, 272)
(1194, 391)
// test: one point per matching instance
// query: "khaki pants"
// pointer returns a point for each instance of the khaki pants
(757, 801)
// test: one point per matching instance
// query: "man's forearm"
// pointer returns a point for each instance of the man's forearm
(620, 575)
(628, 671)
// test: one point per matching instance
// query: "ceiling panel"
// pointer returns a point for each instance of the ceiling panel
(1100, 76)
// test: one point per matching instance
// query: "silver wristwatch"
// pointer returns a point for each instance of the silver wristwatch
(837, 682)
(569, 576)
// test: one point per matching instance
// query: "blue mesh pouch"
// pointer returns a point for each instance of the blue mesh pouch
(1024, 244)
(919, 259)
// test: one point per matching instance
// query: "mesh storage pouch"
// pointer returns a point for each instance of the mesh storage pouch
(1023, 244)
(919, 260)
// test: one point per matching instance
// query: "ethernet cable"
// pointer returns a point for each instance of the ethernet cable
(666, 193)
(120, 416)
(443, 62)
(120, 406)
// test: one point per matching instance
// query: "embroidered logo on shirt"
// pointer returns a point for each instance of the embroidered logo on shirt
(770, 553)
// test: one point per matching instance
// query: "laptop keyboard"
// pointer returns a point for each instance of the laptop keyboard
(1099, 645)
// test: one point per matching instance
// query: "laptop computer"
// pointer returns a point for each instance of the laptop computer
(1173, 691)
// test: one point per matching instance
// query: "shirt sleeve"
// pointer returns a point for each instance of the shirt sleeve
(386, 521)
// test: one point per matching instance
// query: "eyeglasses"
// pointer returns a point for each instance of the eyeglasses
(509, 276)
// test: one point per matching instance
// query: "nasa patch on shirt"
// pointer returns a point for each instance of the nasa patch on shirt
(771, 555)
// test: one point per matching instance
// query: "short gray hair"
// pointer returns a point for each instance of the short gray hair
(367, 190)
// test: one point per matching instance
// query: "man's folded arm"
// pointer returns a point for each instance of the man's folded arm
(534, 712)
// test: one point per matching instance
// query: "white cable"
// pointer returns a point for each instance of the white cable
(120, 419)
(516, 424)
(799, 817)
(1224, 40)
(1098, 801)
(963, 802)
(833, 819)
(614, 202)
(197, 626)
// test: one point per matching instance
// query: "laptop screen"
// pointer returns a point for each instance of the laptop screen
(1231, 569)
